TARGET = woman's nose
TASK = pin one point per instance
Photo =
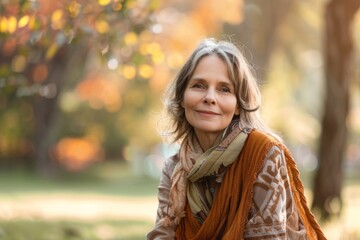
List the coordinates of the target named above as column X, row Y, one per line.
column 210, row 97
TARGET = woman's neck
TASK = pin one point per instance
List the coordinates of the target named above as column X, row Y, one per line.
column 207, row 140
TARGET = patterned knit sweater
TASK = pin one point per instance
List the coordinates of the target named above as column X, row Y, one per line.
column 260, row 196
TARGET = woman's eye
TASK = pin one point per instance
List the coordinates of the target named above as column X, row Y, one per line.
column 198, row 85
column 225, row 89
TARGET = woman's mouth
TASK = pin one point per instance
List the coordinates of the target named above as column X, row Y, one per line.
column 204, row 112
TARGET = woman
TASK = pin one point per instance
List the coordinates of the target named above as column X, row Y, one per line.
column 232, row 178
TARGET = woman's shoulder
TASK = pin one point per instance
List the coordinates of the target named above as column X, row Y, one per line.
column 173, row 159
column 265, row 138
column 170, row 163
column 259, row 143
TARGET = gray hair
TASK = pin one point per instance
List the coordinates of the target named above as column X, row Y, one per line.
column 246, row 88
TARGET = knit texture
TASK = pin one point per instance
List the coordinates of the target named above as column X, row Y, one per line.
column 230, row 208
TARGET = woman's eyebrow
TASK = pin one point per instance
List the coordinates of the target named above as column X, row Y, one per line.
column 197, row 79
column 227, row 84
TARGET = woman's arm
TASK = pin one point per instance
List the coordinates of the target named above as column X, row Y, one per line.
column 273, row 214
column 159, row 231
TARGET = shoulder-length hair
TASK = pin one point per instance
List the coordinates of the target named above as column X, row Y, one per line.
column 246, row 87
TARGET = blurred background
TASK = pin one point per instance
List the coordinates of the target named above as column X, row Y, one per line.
column 81, row 86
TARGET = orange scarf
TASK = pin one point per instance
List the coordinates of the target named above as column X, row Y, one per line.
column 229, row 212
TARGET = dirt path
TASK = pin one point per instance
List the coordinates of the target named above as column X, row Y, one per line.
column 84, row 207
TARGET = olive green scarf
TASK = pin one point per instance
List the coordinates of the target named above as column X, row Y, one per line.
column 195, row 164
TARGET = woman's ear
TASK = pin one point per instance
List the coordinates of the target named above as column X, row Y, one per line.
column 237, row 111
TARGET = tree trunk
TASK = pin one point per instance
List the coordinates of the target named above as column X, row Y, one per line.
column 46, row 110
column 259, row 31
column 338, row 52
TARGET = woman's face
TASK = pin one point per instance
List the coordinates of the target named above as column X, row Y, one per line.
column 209, row 98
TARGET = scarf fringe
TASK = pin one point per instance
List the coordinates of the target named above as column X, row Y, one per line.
column 168, row 221
column 179, row 216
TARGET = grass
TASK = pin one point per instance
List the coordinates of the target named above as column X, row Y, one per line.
column 73, row 230
column 100, row 183
column 130, row 202
column 107, row 178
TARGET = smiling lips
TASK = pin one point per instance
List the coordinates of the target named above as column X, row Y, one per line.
column 207, row 112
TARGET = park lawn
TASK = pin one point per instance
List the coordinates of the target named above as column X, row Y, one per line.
column 109, row 183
